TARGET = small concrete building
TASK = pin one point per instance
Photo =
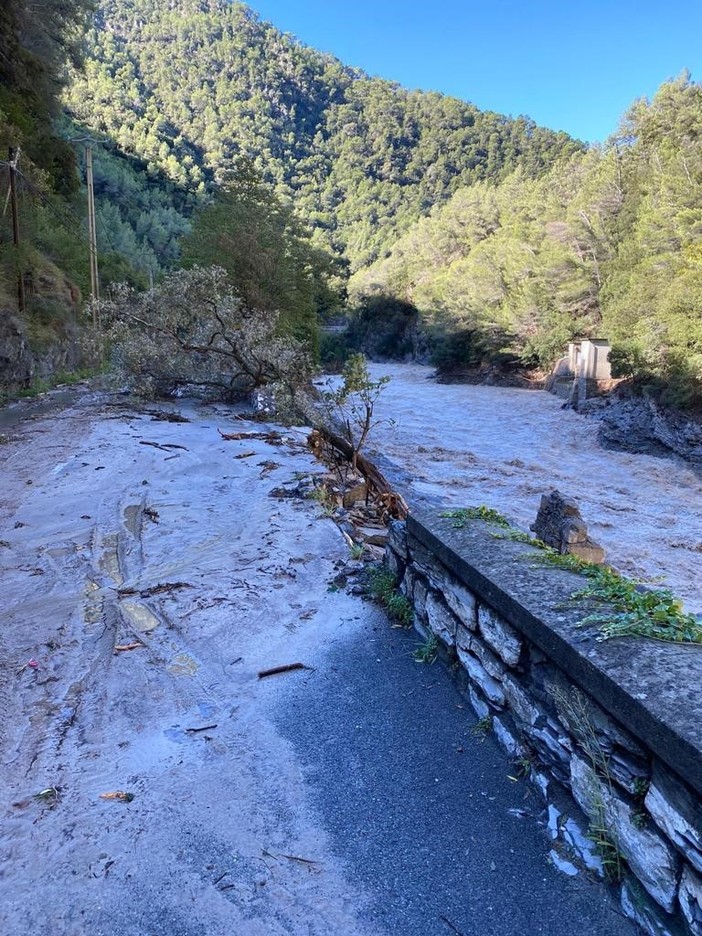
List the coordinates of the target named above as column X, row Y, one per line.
column 589, row 359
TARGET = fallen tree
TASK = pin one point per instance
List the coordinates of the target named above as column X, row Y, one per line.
column 193, row 332
column 324, row 438
column 342, row 417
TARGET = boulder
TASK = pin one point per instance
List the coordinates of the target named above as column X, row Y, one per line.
column 560, row 525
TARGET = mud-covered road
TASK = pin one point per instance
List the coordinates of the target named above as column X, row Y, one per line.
column 469, row 445
column 147, row 576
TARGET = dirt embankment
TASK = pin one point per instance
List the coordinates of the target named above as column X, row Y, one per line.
column 494, row 376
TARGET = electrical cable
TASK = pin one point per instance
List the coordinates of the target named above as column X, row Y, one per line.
column 106, row 232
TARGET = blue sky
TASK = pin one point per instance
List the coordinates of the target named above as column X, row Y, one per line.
column 570, row 66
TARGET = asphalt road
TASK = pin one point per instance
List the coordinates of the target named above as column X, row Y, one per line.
column 422, row 808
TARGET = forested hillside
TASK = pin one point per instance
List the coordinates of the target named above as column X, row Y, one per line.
column 607, row 243
column 215, row 137
column 189, row 86
column 50, row 262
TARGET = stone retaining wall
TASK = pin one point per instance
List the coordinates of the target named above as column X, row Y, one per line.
column 609, row 732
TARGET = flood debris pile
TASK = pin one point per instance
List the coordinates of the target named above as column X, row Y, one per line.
column 359, row 499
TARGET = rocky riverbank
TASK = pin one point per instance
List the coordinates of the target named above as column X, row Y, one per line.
column 643, row 426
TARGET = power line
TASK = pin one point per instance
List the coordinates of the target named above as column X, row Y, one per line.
column 106, row 232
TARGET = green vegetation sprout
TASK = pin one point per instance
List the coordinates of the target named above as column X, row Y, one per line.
column 462, row 515
column 383, row 586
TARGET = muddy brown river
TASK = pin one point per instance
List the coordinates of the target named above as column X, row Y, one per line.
column 469, row 445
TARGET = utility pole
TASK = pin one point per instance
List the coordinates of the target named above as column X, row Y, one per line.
column 13, row 157
column 92, row 226
column 92, row 231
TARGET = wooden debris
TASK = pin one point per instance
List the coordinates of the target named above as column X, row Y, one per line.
column 197, row 730
column 287, row 668
column 166, row 446
column 122, row 648
column 307, row 861
column 153, row 590
column 272, row 436
column 298, row 858
column 118, row 795
column 393, row 504
column 157, row 415
column 153, row 444
column 452, row 925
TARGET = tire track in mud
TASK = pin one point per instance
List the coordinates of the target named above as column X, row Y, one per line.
column 93, row 720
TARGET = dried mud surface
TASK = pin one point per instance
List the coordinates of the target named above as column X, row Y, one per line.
column 109, row 542
column 352, row 798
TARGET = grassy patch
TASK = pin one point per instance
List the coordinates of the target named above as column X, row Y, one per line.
column 462, row 515
column 482, row 728
column 574, row 710
column 427, row 650
column 383, row 586
column 325, row 499
column 357, row 550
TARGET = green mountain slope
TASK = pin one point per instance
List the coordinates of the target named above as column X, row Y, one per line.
column 607, row 243
column 41, row 276
column 190, row 85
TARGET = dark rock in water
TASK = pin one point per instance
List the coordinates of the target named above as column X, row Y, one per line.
column 560, row 525
column 643, row 426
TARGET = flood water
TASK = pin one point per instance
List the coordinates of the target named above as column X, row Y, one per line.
column 468, row 445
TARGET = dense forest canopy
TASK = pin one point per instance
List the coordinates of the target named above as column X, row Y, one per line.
column 469, row 235
column 191, row 86
column 606, row 243
column 37, row 41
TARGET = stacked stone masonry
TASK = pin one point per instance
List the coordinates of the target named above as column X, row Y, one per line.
column 593, row 724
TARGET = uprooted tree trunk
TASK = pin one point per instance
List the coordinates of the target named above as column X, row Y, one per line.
column 329, row 433
column 393, row 503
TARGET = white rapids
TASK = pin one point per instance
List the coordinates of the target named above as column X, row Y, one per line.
column 469, row 445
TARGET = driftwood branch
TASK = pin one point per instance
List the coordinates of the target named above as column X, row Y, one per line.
column 286, row 668
column 393, row 502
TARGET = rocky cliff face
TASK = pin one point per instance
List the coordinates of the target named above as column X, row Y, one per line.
column 46, row 339
column 642, row 425
column 24, row 359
